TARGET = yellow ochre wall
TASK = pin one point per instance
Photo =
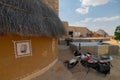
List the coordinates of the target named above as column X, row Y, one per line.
column 12, row 68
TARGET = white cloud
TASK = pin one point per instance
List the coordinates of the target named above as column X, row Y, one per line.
column 100, row 19
column 86, row 4
column 78, row 24
column 91, row 24
column 93, row 2
column 83, row 10
column 86, row 20
column 104, row 19
column 91, row 21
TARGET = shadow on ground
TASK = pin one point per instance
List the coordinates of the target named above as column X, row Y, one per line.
column 60, row 72
column 79, row 72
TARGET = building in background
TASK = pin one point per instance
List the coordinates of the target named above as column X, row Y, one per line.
column 102, row 33
column 77, row 31
column 80, row 31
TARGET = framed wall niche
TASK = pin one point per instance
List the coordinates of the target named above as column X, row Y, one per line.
column 22, row 48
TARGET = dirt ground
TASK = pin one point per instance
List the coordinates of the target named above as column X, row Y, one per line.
column 57, row 72
column 79, row 72
column 60, row 72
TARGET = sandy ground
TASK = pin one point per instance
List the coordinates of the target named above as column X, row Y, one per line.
column 114, row 42
column 79, row 72
column 57, row 72
column 60, row 72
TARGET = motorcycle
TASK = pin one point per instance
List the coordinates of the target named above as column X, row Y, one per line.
column 101, row 64
column 74, row 61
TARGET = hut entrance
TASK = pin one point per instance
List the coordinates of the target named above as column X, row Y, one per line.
column 71, row 33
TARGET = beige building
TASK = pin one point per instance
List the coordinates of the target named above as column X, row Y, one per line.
column 77, row 31
column 80, row 31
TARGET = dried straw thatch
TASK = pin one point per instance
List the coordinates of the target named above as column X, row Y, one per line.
column 29, row 18
column 102, row 32
column 82, row 30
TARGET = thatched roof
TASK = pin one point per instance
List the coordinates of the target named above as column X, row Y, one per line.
column 101, row 32
column 82, row 30
column 29, row 18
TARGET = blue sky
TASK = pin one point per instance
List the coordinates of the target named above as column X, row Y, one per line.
column 93, row 14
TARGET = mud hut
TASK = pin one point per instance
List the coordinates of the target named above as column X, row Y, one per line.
column 81, row 31
column 29, row 32
column 102, row 33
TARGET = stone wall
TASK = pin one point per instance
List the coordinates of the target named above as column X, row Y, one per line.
column 114, row 49
column 98, row 50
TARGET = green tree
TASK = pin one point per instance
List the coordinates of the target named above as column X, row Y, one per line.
column 117, row 33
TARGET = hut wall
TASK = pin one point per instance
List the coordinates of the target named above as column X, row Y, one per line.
column 12, row 68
